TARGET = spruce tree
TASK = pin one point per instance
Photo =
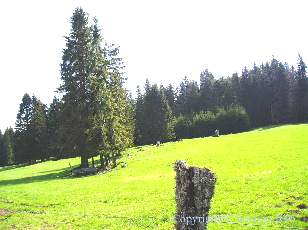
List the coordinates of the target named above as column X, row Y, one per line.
column 206, row 90
column 157, row 117
column 170, row 96
column 299, row 92
column 95, row 101
column 38, row 130
column 8, row 146
column 2, row 156
column 279, row 105
column 188, row 99
column 55, row 145
column 139, row 126
column 23, row 136
column 76, row 69
column 235, row 86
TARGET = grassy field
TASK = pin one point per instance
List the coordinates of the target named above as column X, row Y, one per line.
column 262, row 183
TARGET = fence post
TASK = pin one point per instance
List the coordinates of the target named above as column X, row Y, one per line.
column 194, row 190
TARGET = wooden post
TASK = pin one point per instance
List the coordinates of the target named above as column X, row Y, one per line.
column 194, row 190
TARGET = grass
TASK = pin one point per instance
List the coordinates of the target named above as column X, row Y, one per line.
column 262, row 175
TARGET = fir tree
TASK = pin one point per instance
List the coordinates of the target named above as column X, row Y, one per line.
column 157, row 117
column 2, row 156
column 279, row 107
column 22, row 138
column 170, row 96
column 206, row 90
column 38, row 130
column 139, row 126
column 8, row 146
column 77, row 67
column 299, row 92
column 100, row 117
column 56, row 137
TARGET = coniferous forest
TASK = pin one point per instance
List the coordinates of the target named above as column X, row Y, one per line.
column 92, row 113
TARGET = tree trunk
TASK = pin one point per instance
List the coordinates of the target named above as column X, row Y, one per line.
column 194, row 190
column 84, row 161
column 93, row 162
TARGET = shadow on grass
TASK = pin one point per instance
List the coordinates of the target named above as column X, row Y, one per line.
column 60, row 169
column 275, row 126
column 64, row 174
column 5, row 168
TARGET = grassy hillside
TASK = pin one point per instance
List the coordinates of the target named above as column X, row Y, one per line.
column 261, row 174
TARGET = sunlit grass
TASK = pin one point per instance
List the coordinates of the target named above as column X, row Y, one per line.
column 261, row 174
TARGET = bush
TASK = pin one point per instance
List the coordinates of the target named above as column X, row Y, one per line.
column 203, row 124
column 182, row 127
column 234, row 120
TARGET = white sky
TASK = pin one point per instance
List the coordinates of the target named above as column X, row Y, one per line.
column 160, row 40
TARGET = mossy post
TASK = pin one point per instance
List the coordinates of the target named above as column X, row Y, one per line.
column 194, row 191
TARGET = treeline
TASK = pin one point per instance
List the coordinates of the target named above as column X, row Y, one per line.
column 269, row 94
column 93, row 115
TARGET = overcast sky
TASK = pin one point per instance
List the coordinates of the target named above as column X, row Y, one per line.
column 160, row 40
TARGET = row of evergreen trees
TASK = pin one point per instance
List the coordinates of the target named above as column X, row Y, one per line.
column 269, row 94
column 7, row 153
column 94, row 115
column 272, row 93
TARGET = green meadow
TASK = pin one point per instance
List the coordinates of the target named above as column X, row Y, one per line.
column 262, row 184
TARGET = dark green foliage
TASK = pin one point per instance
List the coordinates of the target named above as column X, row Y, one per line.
column 7, row 147
column 188, row 98
column 94, row 115
column 2, row 156
column 222, row 97
column 206, row 90
column 38, row 130
column 31, row 131
column 170, row 96
column 153, row 116
column 23, row 137
column 139, row 127
column 57, row 146
column 203, row 124
column 271, row 93
column 280, row 104
column 299, row 93
column 76, row 69
column 157, row 116
column 233, row 120
column 183, row 127
column 97, row 117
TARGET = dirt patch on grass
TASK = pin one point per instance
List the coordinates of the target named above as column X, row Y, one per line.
column 4, row 212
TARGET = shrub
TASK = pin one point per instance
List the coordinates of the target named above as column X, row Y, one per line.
column 203, row 124
column 234, row 120
column 182, row 127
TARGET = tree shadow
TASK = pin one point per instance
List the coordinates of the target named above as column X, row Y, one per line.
column 5, row 168
column 275, row 126
column 269, row 127
column 60, row 169
column 65, row 173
